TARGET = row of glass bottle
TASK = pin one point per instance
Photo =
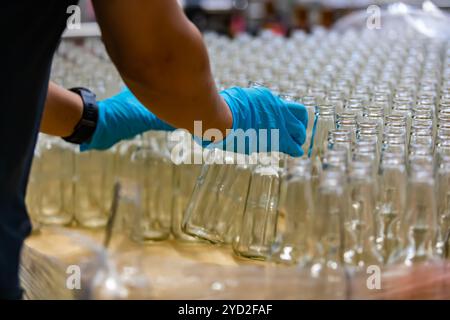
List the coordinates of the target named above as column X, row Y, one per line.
column 332, row 65
column 322, row 61
column 341, row 213
column 68, row 187
column 286, row 213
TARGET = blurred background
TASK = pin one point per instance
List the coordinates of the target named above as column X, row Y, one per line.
column 281, row 16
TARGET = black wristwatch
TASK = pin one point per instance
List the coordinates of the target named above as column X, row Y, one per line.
column 85, row 129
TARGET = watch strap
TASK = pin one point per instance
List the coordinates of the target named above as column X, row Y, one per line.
column 85, row 128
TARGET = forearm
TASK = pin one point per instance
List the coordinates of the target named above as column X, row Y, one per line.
column 163, row 60
column 63, row 110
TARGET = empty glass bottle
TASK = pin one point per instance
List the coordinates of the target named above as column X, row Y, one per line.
column 258, row 229
column 95, row 174
column 334, row 97
column 218, row 200
column 341, row 139
column 152, row 176
column 443, row 204
column 360, row 221
column 325, row 121
column 329, row 234
column 391, row 204
column 419, row 223
column 295, row 215
column 366, row 151
column 347, row 121
column 369, row 131
column 185, row 177
column 310, row 104
column 55, row 179
column 375, row 114
column 355, row 106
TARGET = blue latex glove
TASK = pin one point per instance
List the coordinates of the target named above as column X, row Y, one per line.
column 122, row 117
column 259, row 108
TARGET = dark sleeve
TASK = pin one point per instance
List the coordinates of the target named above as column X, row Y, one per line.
column 29, row 31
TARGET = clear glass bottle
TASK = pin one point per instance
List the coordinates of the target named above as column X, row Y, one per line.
column 361, row 93
column 419, row 224
column 360, row 222
column 55, row 179
column 336, row 159
column 185, row 176
column 310, row 104
column 396, row 126
column 391, row 204
column 382, row 102
column 394, row 141
column 152, row 176
column 369, row 131
column 258, row 229
column 217, row 203
column 325, row 121
column 443, row 205
column 341, row 139
column 348, row 121
column 130, row 197
column 95, row 175
column 355, row 106
column 376, row 114
column 295, row 215
column 366, row 151
column 329, row 232
column 233, row 201
column 334, row 97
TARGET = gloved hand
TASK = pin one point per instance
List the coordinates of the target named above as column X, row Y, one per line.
column 122, row 117
column 259, row 108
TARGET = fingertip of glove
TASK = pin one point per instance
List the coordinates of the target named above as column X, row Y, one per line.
column 297, row 131
column 296, row 152
column 299, row 111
